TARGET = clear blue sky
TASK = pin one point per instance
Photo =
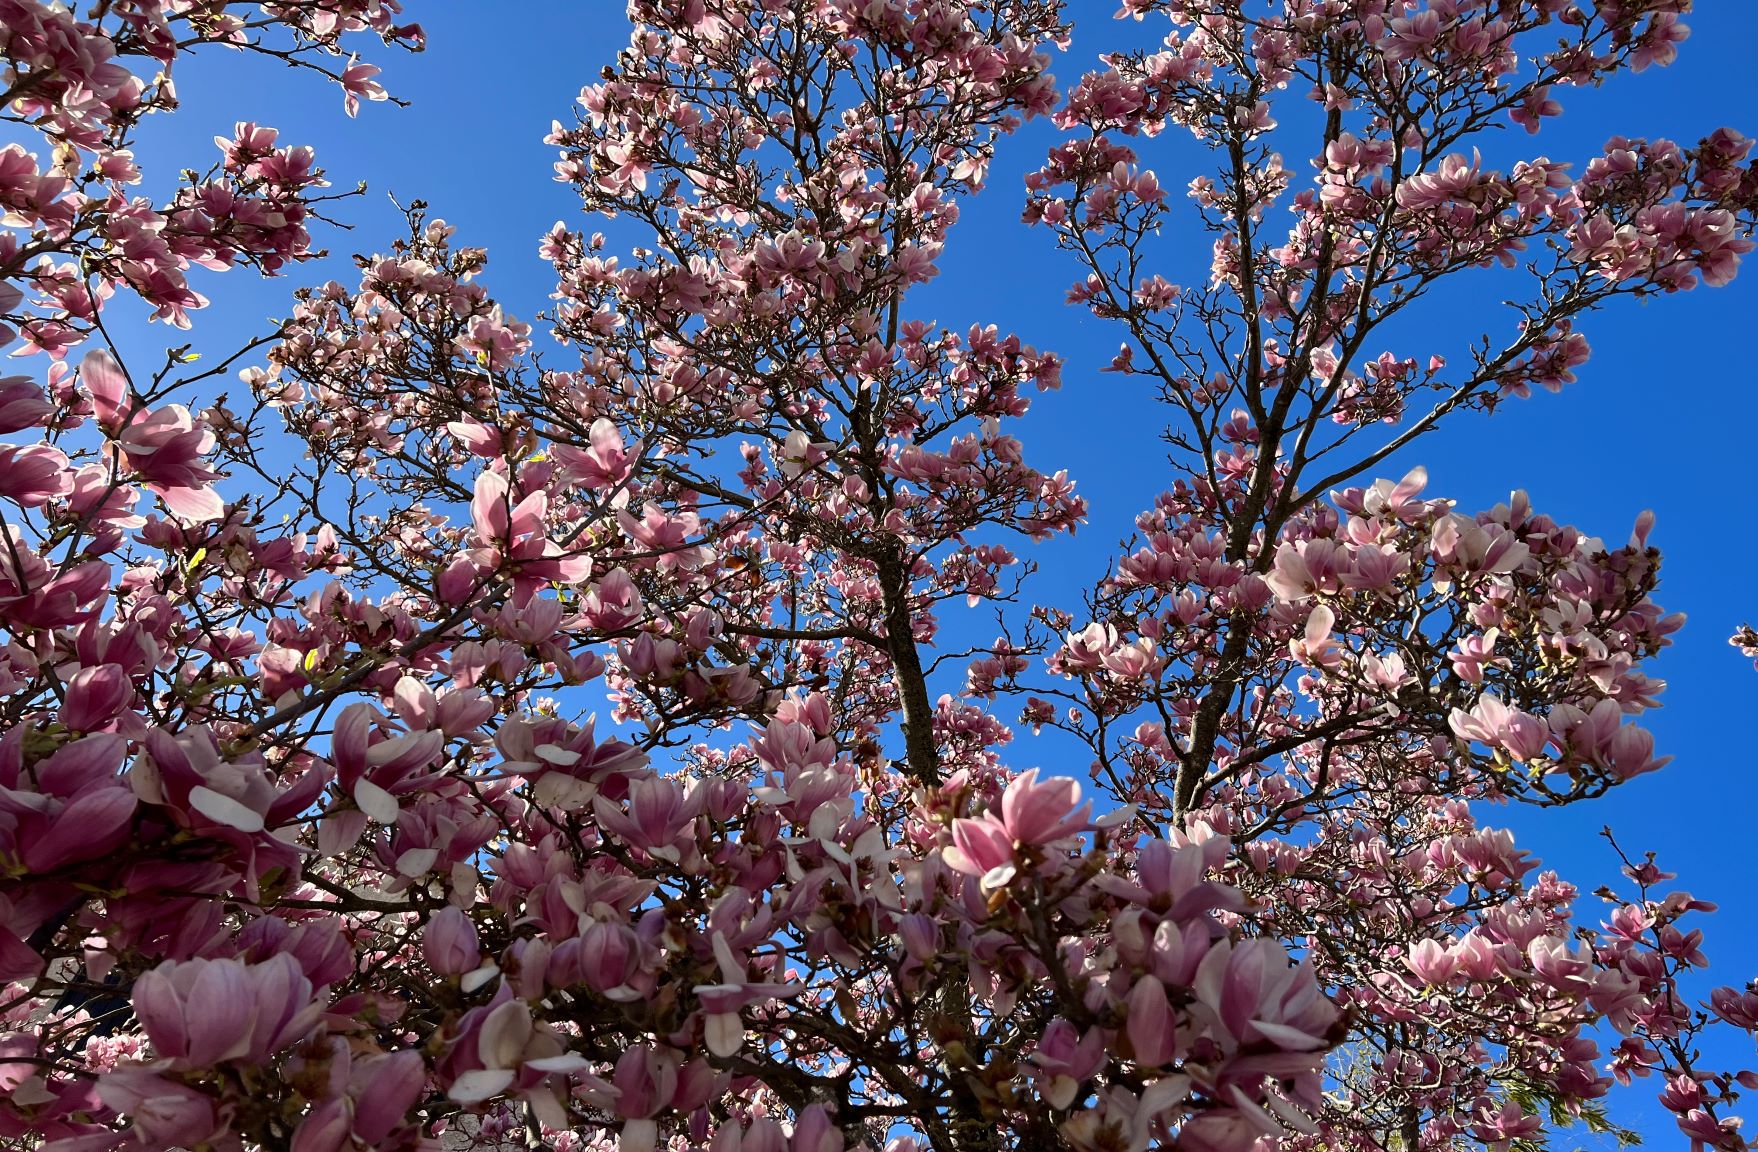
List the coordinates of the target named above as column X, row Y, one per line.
column 1663, row 417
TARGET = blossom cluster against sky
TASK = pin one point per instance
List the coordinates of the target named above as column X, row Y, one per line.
column 1662, row 418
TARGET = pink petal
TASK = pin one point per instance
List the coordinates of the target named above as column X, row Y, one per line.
column 197, row 505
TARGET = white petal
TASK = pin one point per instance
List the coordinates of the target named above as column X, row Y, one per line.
column 417, row 861
column 464, row 880
column 999, row 876
column 638, row 1136
column 32, row 1091
column 547, row 1109
column 1116, row 817
column 375, row 801
column 824, row 822
column 1292, row 1039
column 725, row 1033
column 1162, row 1094
column 475, row 1087
column 474, row 980
column 1290, row 1115
column 223, row 809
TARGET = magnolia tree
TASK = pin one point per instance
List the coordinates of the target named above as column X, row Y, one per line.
column 309, row 838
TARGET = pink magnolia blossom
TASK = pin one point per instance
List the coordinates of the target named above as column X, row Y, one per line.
column 1032, row 815
column 199, row 1013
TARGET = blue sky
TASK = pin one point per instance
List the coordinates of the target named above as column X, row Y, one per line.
column 1663, row 417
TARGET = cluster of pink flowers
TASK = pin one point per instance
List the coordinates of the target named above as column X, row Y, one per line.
column 1332, row 684
column 359, row 873
column 80, row 234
